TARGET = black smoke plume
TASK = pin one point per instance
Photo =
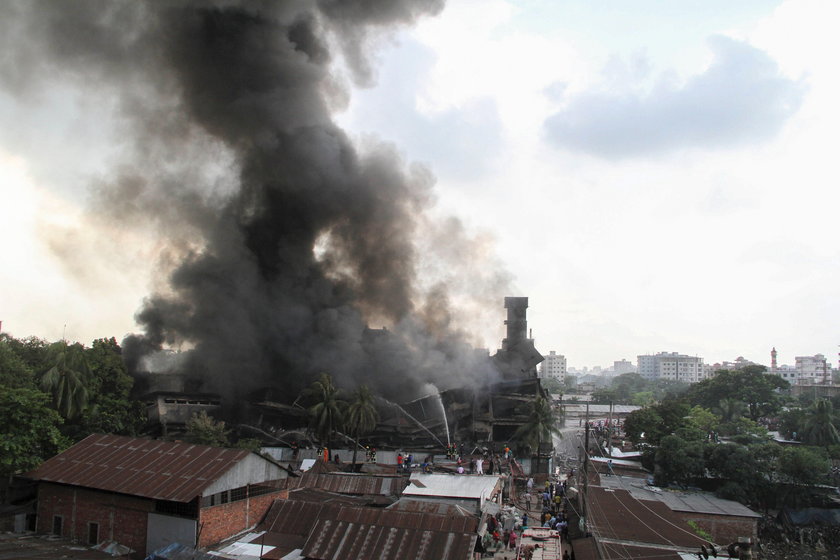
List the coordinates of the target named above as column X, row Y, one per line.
column 283, row 240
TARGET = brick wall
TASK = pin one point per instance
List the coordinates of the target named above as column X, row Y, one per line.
column 217, row 523
column 121, row 518
column 724, row 529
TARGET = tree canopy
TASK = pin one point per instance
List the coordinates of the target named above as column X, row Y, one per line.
column 29, row 430
column 327, row 413
column 751, row 386
column 541, row 424
column 361, row 415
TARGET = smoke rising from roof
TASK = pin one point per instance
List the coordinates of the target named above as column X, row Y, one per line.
column 283, row 241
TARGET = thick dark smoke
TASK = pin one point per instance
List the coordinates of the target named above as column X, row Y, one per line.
column 283, row 241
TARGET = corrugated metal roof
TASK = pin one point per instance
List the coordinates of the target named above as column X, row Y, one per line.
column 346, row 483
column 367, row 533
column 336, row 531
column 296, row 517
column 615, row 514
column 452, row 485
column 697, row 502
column 160, row 470
column 317, row 495
column 424, row 506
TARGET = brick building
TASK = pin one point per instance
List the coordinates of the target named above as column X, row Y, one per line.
column 146, row 494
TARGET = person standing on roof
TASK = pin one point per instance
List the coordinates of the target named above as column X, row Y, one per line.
column 399, row 462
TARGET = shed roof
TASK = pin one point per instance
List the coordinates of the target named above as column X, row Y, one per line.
column 695, row 502
column 474, row 487
column 349, row 483
column 425, row 506
column 375, row 534
column 334, row 531
column 615, row 514
column 160, row 470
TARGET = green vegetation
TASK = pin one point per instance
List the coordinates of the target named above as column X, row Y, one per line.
column 327, row 411
column 751, row 386
column 632, row 388
column 699, row 532
column 29, row 430
column 54, row 394
column 542, row 423
column 684, row 432
column 361, row 416
column 202, row 429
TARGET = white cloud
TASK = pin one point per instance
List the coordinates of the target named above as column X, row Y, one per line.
column 740, row 98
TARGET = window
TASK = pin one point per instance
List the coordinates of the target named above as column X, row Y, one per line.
column 58, row 521
column 93, row 534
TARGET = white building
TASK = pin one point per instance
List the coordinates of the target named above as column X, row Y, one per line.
column 623, row 366
column 672, row 365
column 554, row 366
column 812, row 369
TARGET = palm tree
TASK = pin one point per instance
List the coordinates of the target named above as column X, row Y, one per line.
column 66, row 380
column 361, row 416
column 326, row 414
column 819, row 425
column 541, row 424
column 730, row 409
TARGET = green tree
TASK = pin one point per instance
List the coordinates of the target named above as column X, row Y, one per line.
column 202, row 429
column 552, row 385
column 603, row 396
column 541, row 424
column 664, row 389
column 678, row 461
column 819, row 425
column 14, row 371
column 643, row 424
column 801, row 465
column 67, row 378
column 656, row 421
column 730, row 409
column 732, row 462
column 326, row 414
column 361, row 416
column 643, row 398
column 792, row 423
column 32, row 350
column 110, row 409
column 704, row 419
column 29, row 430
column 751, row 385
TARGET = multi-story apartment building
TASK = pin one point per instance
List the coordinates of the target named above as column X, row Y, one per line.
column 554, row 366
column 672, row 365
column 812, row 369
column 623, row 366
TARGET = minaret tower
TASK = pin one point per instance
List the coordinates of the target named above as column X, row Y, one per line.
column 773, row 360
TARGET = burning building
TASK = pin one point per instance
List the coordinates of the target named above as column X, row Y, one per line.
column 278, row 238
column 483, row 414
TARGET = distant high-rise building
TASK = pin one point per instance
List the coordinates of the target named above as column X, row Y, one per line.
column 672, row 365
column 812, row 369
column 623, row 366
column 554, row 366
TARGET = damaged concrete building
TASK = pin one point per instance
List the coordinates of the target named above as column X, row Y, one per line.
column 482, row 416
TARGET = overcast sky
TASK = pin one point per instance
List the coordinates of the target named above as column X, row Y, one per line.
column 655, row 175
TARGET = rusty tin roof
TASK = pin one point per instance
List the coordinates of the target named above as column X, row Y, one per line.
column 375, row 534
column 160, row 470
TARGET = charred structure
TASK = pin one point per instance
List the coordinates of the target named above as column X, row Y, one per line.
column 485, row 414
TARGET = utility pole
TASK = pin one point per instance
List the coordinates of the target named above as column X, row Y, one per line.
column 584, row 503
column 609, row 432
